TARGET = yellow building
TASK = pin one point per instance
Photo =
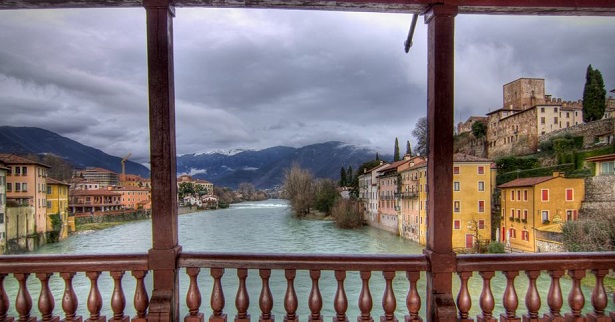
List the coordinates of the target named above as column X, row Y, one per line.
column 472, row 191
column 537, row 204
column 57, row 203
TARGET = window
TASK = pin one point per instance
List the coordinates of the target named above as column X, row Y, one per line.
column 455, row 170
column 17, row 187
column 525, row 235
column 481, row 170
column 9, row 187
column 519, row 214
column 545, row 216
column 48, row 204
column 512, row 214
column 607, row 168
column 17, row 171
column 513, row 233
column 555, row 110
column 543, row 120
column 569, row 194
column 456, row 206
column 456, row 186
column 542, row 110
column 481, row 186
column 525, row 214
column 512, row 195
column 525, row 195
column 24, row 171
column 481, row 224
column 571, row 214
column 24, row 187
column 2, row 199
column 481, row 206
column 2, row 220
column 519, row 195
column 555, row 121
column 544, row 194
column 48, row 190
column 457, row 224
column 2, row 180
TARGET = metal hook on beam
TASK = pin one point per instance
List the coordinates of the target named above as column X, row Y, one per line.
column 408, row 42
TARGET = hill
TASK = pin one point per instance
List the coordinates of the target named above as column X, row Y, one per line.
column 24, row 140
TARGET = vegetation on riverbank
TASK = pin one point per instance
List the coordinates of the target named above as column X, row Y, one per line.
column 98, row 225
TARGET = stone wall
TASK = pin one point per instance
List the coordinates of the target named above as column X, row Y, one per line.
column 21, row 232
column 125, row 216
column 589, row 131
column 599, row 200
column 549, row 246
column 475, row 147
column 514, row 134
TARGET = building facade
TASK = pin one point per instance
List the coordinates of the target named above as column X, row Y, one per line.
column 537, row 204
column 101, row 176
column 57, row 204
column 3, row 172
column 409, row 201
column 368, row 191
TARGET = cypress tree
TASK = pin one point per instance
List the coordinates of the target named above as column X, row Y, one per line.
column 594, row 95
column 396, row 153
column 349, row 176
column 343, row 178
column 377, row 157
column 408, row 148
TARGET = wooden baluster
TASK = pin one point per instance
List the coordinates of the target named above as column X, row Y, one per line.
column 389, row 303
column 315, row 299
column 510, row 300
column 46, row 303
column 265, row 300
column 613, row 313
column 4, row 301
column 413, row 300
column 141, row 299
column 193, row 297
column 532, row 298
column 118, row 299
column 94, row 298
column 217, row 296
column 290, row 297
column 464, row 300
column 242, row 300
column 70, row 302
column 599, row 298
column 23, row 302
column 365, row 299
column 487, row 302
column 555, row 298
column 576, row 300
column 341, row 301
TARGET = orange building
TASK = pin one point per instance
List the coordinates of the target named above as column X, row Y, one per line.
column 132, row 196
column 535, row 204
column 26, row 184
column 91, row 201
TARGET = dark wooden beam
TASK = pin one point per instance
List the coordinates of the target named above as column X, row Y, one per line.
column 440, row 21
column 505, row 7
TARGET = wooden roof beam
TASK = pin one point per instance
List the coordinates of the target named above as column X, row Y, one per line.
column 504, row 7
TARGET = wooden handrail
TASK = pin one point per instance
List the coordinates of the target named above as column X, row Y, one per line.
column 533, row 262
column 73, row 263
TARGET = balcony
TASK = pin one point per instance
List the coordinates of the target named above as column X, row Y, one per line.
column 165, row 261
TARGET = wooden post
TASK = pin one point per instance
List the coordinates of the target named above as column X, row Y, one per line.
column 440, row 97
column 164, row 305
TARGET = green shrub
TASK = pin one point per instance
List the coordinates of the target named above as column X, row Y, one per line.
column 496, row 248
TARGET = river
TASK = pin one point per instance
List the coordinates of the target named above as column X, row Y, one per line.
column 262, row 227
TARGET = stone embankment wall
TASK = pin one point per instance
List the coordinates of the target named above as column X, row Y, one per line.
column 589, row 131
column 475, row 147
column 112, row 217
column 599, row 197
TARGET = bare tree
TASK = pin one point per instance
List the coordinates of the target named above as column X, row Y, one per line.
column 420, row 133
column 299, row 189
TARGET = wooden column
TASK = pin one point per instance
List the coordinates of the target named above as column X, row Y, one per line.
column 440, row 96
column 164, row 304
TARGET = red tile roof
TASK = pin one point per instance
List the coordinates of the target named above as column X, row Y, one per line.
column 15, row 159
column 54, row 181
column 525, row 182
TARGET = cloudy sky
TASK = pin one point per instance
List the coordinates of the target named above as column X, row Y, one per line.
column 252, row 79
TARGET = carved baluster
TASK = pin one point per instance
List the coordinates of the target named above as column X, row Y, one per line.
column 118, row 299
column 413, row 300
column 464, row 301
column 265, row 300
column 315, row 299
column 555, row 298
column 217, row 296
column 46, row 303
column 389, row 303
column 576, row 300
column 290, row 298
column 141, row 299
column 487, row 302
column 242, row 300
column 69, row 299
column 23, row 302
column 341, row 301
column 599, row 298
column 94, row 298
column 532, row 298
column 365, row 299
column 613, row 313
column 510, row 300
column 193, row 297
column 4, row 301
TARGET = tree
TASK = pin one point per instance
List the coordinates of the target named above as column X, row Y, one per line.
column 396, row 151
column 326, row 194
column 420, row 133
column 408, row 148
column 594, row 95
column 299, row 189
column 479, row 129
column 185, row 189
column 343, row 178
column 377, row 156
column 247, row 190
column 349, row 176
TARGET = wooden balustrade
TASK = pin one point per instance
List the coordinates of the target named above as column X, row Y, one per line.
column 555, row 265
column 68, row 266
column 316, row 269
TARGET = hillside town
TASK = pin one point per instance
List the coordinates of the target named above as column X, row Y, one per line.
column 36, row 209
column 523, row 213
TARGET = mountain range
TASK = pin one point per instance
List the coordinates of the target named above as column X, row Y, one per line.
column 263, row 168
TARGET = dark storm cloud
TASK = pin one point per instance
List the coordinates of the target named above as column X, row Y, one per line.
column 257, row 78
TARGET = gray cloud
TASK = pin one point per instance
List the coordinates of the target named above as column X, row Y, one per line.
column 259, row 78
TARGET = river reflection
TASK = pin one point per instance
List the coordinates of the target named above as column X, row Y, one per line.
column 263, row 227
